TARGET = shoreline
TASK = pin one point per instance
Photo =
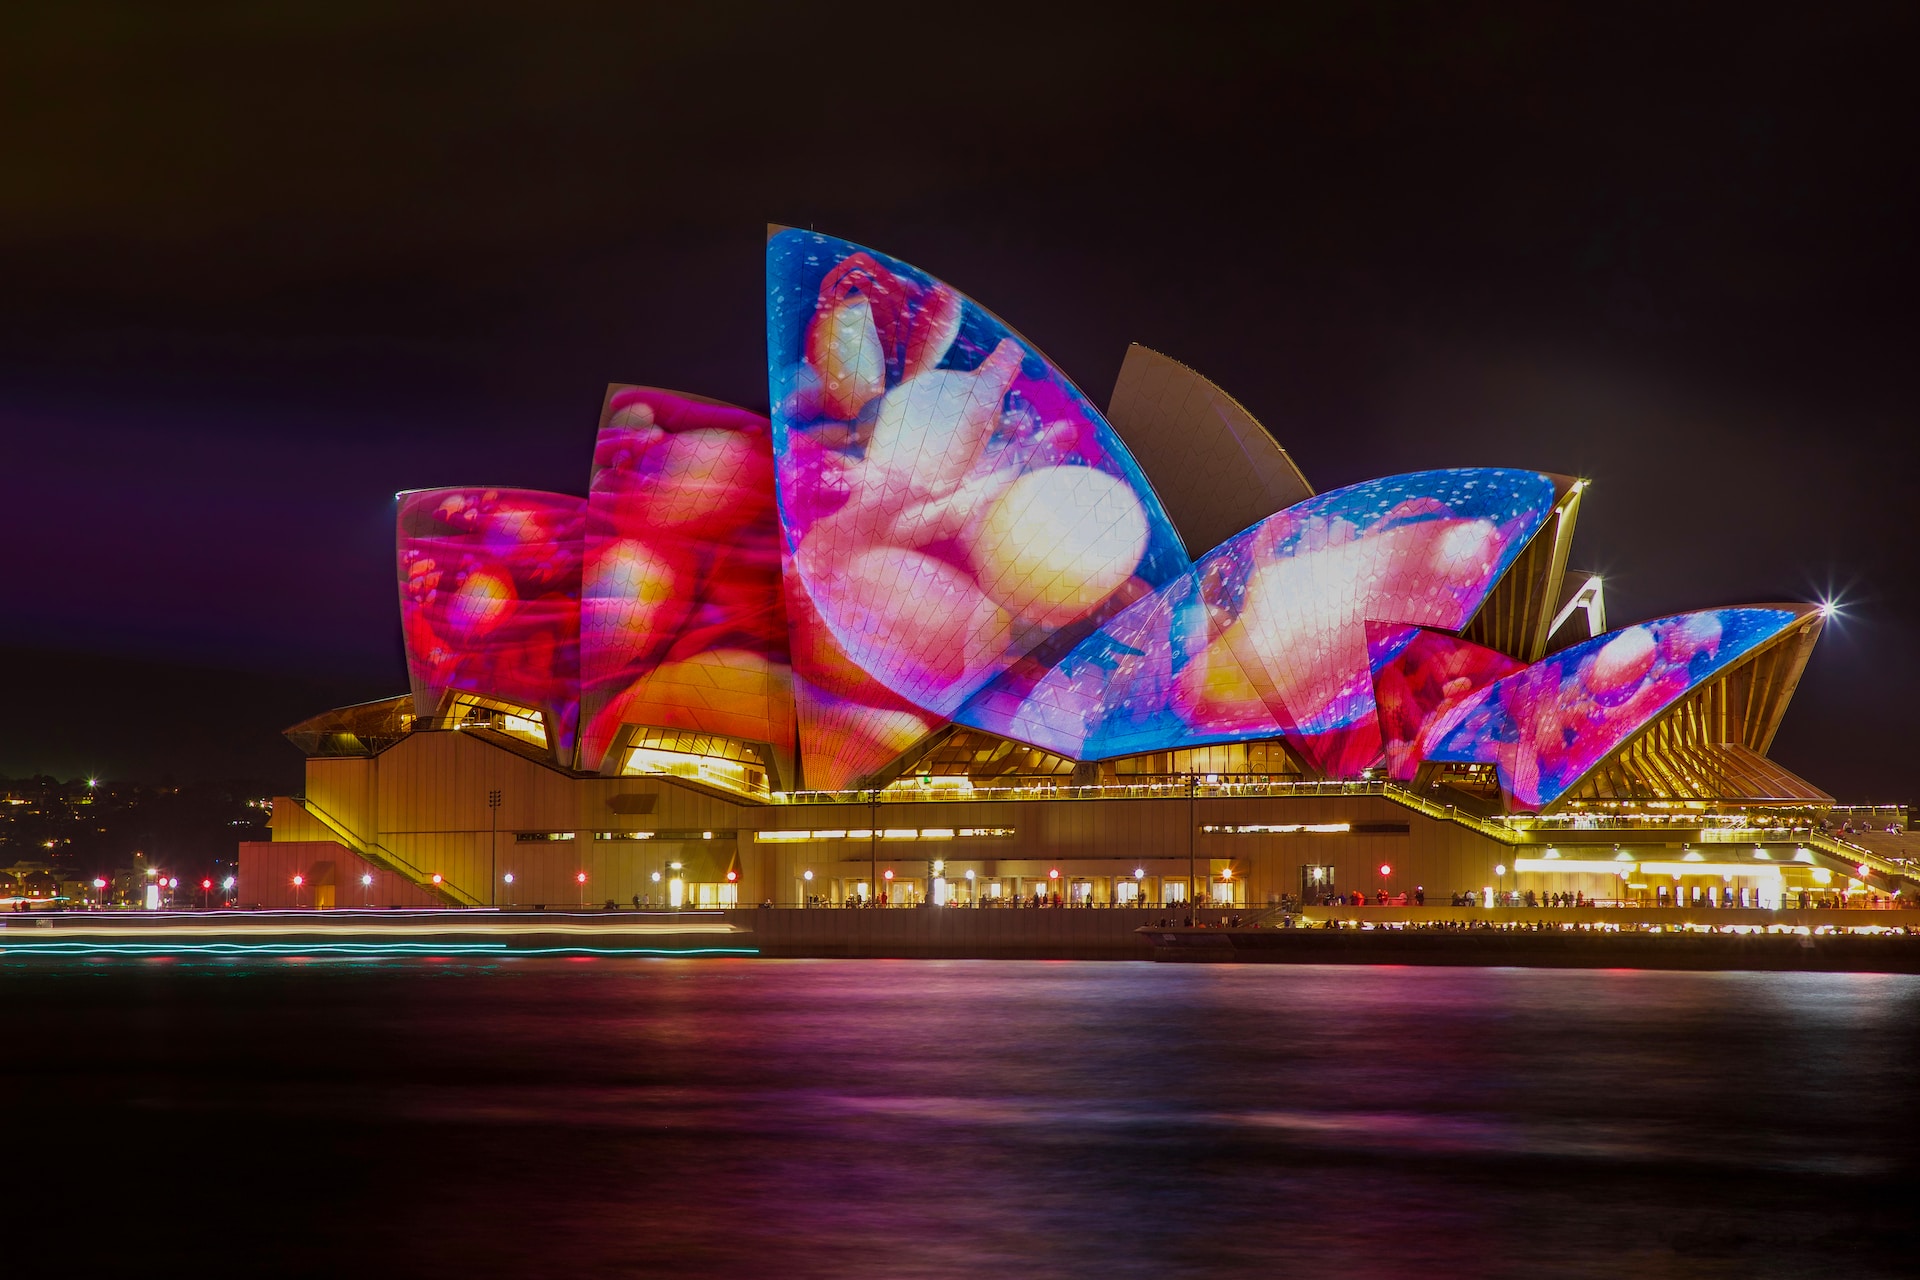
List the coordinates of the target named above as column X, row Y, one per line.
column 1865, row 941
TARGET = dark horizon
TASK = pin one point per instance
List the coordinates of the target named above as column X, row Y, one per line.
column 264, row 272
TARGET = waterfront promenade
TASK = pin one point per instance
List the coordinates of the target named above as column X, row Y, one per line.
column 1599, row 937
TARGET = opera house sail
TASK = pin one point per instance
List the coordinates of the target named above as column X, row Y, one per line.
column 935, row 557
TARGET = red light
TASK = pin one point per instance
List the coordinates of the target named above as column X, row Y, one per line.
column 1385, row 869
column 582, row 877
column 733, row 875
column 206, row 884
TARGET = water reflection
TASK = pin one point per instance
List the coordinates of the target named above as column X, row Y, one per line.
column 839, row 1118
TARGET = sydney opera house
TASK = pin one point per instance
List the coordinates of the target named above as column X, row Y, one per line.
column 939, row 630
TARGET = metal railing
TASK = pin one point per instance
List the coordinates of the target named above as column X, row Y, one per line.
column 1450, row 813
column 1164, row 788
column 1158, row 788
column 387, row 859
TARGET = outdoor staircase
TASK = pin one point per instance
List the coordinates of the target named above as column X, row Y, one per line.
column 386, row 859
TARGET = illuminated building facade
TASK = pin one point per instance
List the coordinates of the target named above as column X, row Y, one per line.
column 939, row 618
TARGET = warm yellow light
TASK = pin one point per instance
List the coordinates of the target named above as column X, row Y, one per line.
column 1705, row 868
column 1590, row 866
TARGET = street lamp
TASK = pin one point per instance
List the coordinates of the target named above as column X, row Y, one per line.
column 507, row 880
column 581, row 880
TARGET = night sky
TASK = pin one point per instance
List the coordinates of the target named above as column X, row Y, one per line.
column 263, row 267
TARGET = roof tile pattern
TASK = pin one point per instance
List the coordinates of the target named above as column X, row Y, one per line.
column 682, row 624
column 490, row 600
column 1213, row 464
column 1267, row 634
column 1544, row 727
column 950, row 501
column 934, row 526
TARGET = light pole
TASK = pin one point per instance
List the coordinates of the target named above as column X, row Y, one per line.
column 1193, row 795
column 873, row 839
column 493, row 847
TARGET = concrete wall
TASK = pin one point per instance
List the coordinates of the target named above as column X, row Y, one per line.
column 331, row 873
column 425, row 801
column 1112, row 837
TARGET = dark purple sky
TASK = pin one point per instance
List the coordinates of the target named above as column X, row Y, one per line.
column 262, row 270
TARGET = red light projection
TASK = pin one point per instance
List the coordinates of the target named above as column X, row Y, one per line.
column 682, row 625
column 490, row 600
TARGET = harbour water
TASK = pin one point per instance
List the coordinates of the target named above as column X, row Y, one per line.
column 574, row 1117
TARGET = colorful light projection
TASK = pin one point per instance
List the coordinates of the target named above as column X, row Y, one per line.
column 681, row 619
column 1266, row 636
column 1418, row 676
column 950, row 501
column 490, row 600
column 1543, row 728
